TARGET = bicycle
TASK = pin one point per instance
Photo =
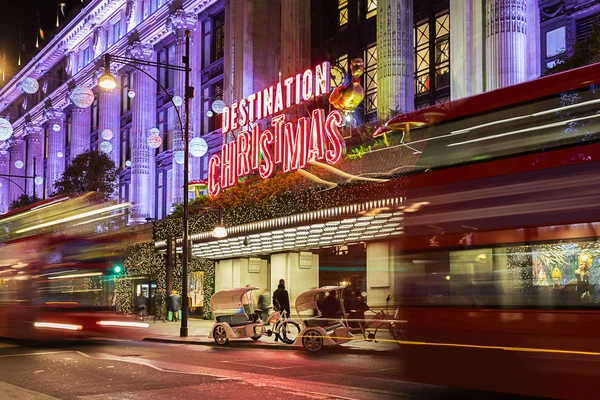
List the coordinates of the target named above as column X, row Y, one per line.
column 383, row 319
column 284, row 328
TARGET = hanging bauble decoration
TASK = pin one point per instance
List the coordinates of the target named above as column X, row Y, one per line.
column 178, row 156
column 218, row 106
column 59, row 154
column 154, row 132
column 30, row 85
column 6, row 129
column 107, row 134
column 131, row 94
column 19, row 164
column 178, row 101
column 154, row 141
column 82, row 96
column 198, row 147
column 56, row 128
column 128, row 163
column 38, row 180
column 106, row 147
column 209, row 113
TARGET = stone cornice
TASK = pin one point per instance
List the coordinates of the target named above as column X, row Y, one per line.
column 151, row 31
column 68, row 38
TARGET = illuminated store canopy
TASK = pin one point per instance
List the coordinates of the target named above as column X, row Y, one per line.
column 336, row 226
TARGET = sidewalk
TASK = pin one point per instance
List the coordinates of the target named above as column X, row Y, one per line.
column 198, row 334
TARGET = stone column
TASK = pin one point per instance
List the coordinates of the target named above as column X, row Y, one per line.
column 110, row 119
column 380, row 272
column 295, row 37
column 466, row 50
column 55, row 161
column 143, row 111
column 178, row 23
column 35, row 141
column 506, row 42
column 17, row 156
column 395, row 57
column 80, row 130
column 299, row 270
column 4, row 183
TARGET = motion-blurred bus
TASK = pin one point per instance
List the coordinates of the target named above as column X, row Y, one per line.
column 58, row 263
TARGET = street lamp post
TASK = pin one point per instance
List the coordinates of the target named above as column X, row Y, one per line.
column 107, row 81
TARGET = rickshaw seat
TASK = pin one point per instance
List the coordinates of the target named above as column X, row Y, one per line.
column 322, row 322
column 234, row 319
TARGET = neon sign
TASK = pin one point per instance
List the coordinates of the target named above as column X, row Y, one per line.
column 292, row 145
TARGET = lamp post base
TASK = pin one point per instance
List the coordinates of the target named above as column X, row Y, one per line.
column 183, row 331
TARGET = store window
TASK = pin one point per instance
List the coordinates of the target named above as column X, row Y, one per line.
column 342, row 62
column 95, row 114
column 371, row 8
column 125, row 147
column 552, row 275
column 342, row 12
column 166, row 76
column 370, row 101
column 213, row 32
column 555, row 42
column 125, row 100
column 116, row 31
column 432, row 60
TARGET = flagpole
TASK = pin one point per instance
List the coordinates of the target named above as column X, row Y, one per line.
column 20, row 47
column 37, row 34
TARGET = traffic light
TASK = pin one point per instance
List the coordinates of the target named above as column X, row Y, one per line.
column 117, row 269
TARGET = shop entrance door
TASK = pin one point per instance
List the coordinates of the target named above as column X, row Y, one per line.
column 147, row 287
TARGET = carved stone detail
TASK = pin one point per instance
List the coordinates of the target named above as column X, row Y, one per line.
column 506, row 16
column 70, row 62
column 552, row 11
column 129, row 11
column 139, row 51
column 180, row 21
column 52, row 114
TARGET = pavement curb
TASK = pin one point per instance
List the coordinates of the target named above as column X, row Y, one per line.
column 258, row 345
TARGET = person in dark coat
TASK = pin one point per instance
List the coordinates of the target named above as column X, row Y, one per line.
column 174, row 304
column 141, row 305
column 281, row 298
column 331, row 307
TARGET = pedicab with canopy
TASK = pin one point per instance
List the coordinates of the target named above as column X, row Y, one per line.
column 320, row 331
column 241, row 321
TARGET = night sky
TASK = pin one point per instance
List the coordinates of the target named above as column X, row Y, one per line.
column 20, row 15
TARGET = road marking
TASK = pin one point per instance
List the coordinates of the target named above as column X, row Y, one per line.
column 35, row 354
column 256, row 365
column 252, row 378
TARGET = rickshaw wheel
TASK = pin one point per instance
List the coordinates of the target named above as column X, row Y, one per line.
column 312, row 341
column 255, row 337
column 220, row 335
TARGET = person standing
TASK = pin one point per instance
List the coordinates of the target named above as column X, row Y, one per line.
column 281, row 298
column 264, row 304
column 174, row 304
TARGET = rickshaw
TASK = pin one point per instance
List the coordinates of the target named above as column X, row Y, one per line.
column 243, row 322
column 319, row 331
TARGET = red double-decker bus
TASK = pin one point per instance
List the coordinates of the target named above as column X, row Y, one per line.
column 57, row 275
column 500, row 246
